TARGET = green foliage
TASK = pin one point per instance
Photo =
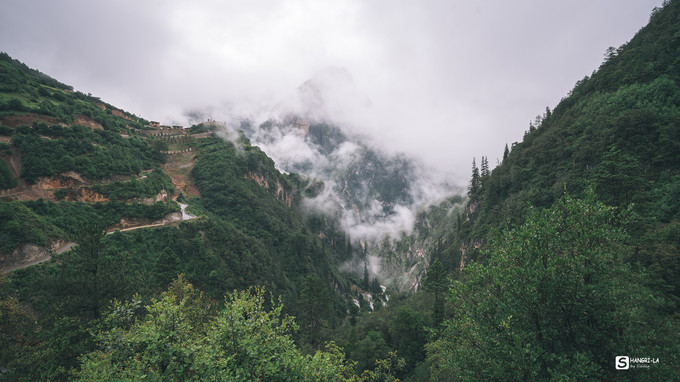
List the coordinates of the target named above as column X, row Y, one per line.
column 24, row 90
column 616, row 130
column 94, row 154
column 7, row 180
column 14, row 73
column 150, row 185
column 89, row 277
column 437, row 283
column 315, row 304
column 241, row 187
column 384, row 369
column 557, row 300
column 16, row 326
column 20, row 225
column 409, row 337
column 40, row 221
column 370, row 349
column 243, row 341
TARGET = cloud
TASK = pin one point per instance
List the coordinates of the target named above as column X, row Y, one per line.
column 446, row 80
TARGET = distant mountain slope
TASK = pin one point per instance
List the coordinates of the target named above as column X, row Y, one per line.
column 617, row 131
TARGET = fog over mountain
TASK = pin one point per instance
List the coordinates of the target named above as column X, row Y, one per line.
column 319, row 131
column 446, row 81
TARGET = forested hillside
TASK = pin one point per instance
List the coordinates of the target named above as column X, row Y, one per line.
column 546, row 267
column 90, row 191
column 617, row 132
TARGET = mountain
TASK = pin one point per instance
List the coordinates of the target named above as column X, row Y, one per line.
column 566, row 255
column 372, row 193
column 616, row 131
column 92, row 193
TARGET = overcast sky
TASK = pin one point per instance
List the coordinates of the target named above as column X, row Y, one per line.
column 446, row 80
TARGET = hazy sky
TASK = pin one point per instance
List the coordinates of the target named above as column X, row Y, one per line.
column 446, row 80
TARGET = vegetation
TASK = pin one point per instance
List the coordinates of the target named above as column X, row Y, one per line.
column 95, row 154
column 181, row 337
column 41, row 221
column 149, row 186
column 557, row 300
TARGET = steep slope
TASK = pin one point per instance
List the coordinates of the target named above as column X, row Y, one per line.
column 74, row 167
column 616, row 131
column 57, row 144
column 350, row 180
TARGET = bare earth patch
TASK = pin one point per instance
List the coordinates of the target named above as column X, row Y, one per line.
column 178, row 168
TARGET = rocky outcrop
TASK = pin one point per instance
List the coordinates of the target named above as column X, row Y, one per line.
column 27, row 119
column 259, row 179
column 162, row 196
column 283, row 195
column 84, row 194
column 120, row 114
column 82, row 120
column 23, row 256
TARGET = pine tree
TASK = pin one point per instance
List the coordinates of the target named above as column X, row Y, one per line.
column 437, row 283
column 365, row 282
column 315, row 304
column 475, row 182
column 506, row 152
column 485, row 167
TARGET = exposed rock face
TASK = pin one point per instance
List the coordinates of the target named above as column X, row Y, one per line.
column 120, row 114
column 25, row 254
column 28, row 119
column 259, row 179
column 299, row 123
column 162, row 196
column 63, row 180
column 282, row 194
column 84, row 194
column 82, row 120
column 73, row 175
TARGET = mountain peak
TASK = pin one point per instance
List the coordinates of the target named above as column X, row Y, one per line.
column 330, row 95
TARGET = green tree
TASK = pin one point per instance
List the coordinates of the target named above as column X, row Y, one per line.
column 179, row 339
column 409, row 336
column 557, row 300
column 89, row 276
column 7, row 180
column 385, row 369
column 485, row 168
column 16, row 332
column 619, row 177
column 365, row 282
column 371, row 348
column 437, row 283
column 475, row 181
column 314, row 306
column 167, row 266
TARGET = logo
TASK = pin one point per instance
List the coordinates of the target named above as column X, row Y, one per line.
column 624, row 362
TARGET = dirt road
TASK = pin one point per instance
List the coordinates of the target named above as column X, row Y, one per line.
column 67, row 246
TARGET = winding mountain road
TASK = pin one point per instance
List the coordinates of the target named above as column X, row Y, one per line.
column 68, row 245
